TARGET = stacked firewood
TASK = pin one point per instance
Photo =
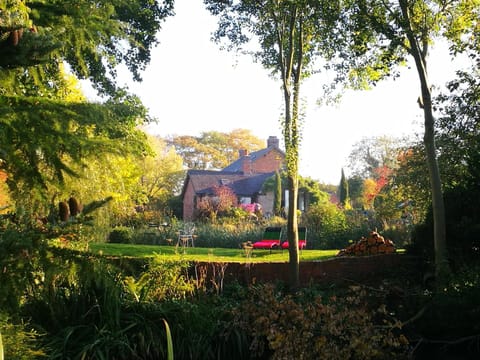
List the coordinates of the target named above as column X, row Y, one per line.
column 372, row 245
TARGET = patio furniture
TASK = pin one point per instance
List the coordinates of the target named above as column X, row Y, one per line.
column 302, row 239
column 186, row 236
column 270, row 240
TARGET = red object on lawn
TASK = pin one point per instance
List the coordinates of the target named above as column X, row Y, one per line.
column 302, row 239
column 270, row 240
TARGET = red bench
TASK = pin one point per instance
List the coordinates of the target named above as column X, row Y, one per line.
column 302, row 239
column 270, row 240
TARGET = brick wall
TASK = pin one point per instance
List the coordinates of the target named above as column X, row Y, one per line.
column 188, row 202
column 336, row 270
column 272, row 161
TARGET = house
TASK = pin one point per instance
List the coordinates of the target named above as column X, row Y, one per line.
column 245, row 176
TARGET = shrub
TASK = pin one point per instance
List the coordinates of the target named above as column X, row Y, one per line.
column 283, row 326
column 121, row 235
column 450, row 323
column 326, row 225
column 462, row 226
column 18, row 341
column 163, row 280
column 227, row 235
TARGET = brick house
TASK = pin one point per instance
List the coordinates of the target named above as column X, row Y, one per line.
column 245, row 176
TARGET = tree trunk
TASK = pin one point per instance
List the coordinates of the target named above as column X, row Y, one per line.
column 292, row 233
column 442, row 268
column 439, row 228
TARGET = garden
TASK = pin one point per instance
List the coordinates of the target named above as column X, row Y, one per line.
column 96, row 261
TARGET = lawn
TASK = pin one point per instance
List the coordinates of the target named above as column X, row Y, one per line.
column 205, row 254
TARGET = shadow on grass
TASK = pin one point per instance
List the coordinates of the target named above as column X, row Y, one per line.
column 205, row 254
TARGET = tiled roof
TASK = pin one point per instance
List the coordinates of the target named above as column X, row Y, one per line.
column 204, row 181
column 236, row 166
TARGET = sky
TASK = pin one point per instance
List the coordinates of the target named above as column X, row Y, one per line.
column 191, row 86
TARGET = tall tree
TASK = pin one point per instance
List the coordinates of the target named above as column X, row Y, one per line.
column 395, row 27
column 277, row 201
column 343, row 190
column 291, row 35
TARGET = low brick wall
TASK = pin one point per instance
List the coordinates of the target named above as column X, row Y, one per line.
column 336, row 270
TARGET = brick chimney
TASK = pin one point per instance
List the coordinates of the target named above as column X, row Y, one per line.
column 247, row 165
column 242, row 153
column 273, row 142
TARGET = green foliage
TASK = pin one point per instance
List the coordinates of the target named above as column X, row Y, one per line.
column 96, row 37
column 19, row 341
column 163, row 280
column 463, row 228
column 121, row 235
column 278, row 194
column 343, row 194
column 214, row 149
column 169, row 340
column 42, row 139
column 449, row 323
column 21, row 252
column 459, row 130
column 326, row 225
column 227, row 235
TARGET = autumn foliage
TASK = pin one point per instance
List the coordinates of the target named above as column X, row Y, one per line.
column 373, row 187
column 304, row 327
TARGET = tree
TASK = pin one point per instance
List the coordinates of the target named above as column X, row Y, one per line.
column 291, row 35
column 162, row 173
column 44, row 128
column 343, row 190
column 96, row 36
column 20, row 42
column 214, row 149
column 392, row 29
column 370, row 153
column 41, row 138
column 277, row 202
column 459, row 130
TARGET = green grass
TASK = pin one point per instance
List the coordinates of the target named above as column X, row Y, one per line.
column 205, row 254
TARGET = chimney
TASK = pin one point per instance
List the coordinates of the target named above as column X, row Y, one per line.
column 242, row 153
column 273, row 142
column 247, row 165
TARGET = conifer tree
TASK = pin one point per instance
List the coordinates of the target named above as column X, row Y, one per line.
column 343, row 190
column 277, row 205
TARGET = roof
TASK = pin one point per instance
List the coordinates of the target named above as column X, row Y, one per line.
column 237, row 165
column 204, row 181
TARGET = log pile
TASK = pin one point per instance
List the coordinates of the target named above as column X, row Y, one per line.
column 372, row 245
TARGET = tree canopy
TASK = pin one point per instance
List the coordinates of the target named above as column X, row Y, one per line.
column 214, row 149
column 47, row 126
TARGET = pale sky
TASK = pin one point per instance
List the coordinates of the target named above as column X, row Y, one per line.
column 191, row 86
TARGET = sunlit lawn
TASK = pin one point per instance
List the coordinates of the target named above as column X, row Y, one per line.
column 205, row 254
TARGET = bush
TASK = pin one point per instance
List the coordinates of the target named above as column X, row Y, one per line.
column 281, row 326
column 18, row 341
column 326, row 225
column 462, row 212
column 227, row 235
column 121, row 235
column 450, row 324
